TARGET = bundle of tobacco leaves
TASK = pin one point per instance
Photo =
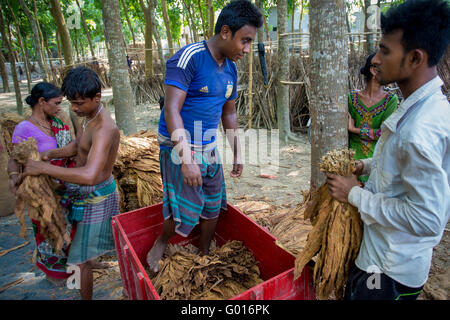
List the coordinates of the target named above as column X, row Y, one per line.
column 336, row 234
column 293, row 229
column 36, row 195
column 224, row 273
column 137, row 172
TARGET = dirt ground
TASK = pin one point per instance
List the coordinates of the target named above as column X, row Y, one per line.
column 280, row 186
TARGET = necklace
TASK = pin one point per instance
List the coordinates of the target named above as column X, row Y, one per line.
column 85, row 123
column 39, row 124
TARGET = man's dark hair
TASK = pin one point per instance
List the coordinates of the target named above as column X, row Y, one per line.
column 237, row 14
column 81, row 82
column 425, row 25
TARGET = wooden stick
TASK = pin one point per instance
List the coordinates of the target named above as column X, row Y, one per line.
column 3, row 252
column 250, row 85
column 291, row 82
column 11, row 284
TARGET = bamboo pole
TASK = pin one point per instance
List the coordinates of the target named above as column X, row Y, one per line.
column 250, row 84
column 292, row 82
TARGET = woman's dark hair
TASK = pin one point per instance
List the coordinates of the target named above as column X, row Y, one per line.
column 81, row 82
column 237, row 14
column 42, row 90
column 425, row 25
column 365, row 71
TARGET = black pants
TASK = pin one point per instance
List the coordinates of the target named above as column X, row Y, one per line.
column 377, row 286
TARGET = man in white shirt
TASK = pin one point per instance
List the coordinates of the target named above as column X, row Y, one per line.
column 405, row 204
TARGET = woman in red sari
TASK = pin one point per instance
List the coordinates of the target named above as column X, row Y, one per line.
column 50, row 133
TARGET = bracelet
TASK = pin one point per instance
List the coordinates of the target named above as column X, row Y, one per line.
column 13, row 173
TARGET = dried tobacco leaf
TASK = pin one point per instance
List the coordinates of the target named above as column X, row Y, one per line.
column 224, row 273
column 36, row 195
column 137, row 171
column 336, row 236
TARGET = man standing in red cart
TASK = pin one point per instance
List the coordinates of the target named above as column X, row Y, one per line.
column 405, row 204
column 201, row 88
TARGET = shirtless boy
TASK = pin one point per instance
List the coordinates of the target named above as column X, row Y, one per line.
column 91, row 192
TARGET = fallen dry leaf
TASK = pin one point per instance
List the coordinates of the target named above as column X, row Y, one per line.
column 293, row 173
column 267, row 176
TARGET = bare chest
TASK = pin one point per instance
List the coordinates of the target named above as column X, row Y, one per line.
column 83, row 147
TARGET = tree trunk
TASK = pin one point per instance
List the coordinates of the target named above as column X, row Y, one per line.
column 27, row 56
column 63, row 32
column 260, row 31
column 38, row 24
column 24, row 53
column 120, row 80
column 59, row 48
column 266, row 27
column 211, row 19
column 4, row 73
column 14, row 51
column 329, row 85
column 86, row 30
column 4, row 31
column 167, row 24
column 127, row 17
column 37, row 43
column 75, row 44
column 49, row 55
column 369, row 45
column 48, row 63
column 148, row 37
column 284, row 126
column 158, row 43
column 293, row 16
column 349, row 30
column 300, row 26
column 200, row 11
column 192, row 24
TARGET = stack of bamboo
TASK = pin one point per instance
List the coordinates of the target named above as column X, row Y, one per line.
column 137, row 171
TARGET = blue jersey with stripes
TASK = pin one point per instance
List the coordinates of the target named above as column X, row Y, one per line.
column 208, row 87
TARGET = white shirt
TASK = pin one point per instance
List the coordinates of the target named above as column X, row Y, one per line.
column 405, row 204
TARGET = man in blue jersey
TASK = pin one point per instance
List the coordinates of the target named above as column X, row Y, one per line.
column 201, row 88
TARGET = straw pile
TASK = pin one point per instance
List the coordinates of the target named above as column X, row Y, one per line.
column 8, row 122
column 36, row 195
column 293, row 229
column 137, row 171
column 224, row 273
column 336, row 234
column 262, row 212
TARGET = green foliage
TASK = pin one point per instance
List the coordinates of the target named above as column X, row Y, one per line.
column 175, row 10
